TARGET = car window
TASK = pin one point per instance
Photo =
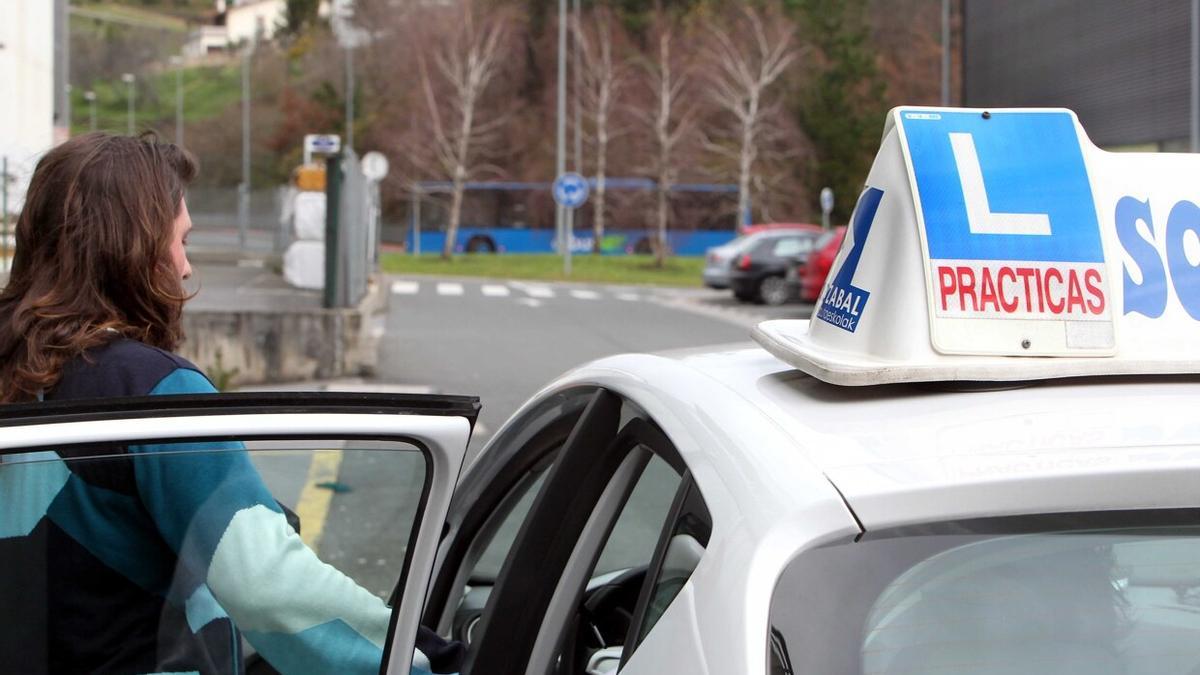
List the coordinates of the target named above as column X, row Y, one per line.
column 678, row 555
column 792, row 246
column 631, row 542
column 1095, row 601
column 487, row 568
column 182, row 547
column 824, row 239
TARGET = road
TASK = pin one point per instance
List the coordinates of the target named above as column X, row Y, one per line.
column 503, row 341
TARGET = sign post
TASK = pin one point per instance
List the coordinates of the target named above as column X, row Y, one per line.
column 570, row 193
column 375, row 169
column 826, row 206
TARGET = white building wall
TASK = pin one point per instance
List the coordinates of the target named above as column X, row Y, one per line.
column 244, row 21
column 26, row 88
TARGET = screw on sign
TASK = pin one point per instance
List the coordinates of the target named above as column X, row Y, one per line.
column 570, row 190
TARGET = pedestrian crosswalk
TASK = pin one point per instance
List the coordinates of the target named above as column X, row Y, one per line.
column 525, row 293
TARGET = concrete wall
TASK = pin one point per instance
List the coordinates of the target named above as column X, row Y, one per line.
column 26, row 88
column 254, row 347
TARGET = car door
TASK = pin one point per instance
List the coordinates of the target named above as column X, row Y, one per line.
column 116, row 485
column 570, row 543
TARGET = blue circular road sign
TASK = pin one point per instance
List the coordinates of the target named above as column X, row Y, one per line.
column 570, row 190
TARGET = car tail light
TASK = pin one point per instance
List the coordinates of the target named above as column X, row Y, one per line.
column 743, row 262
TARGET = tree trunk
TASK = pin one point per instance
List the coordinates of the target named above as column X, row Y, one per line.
column 746, row 162
column 598, row 204
column 456, row 201
column 660, row 247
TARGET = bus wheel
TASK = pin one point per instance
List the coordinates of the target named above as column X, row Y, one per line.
column 643, row 246
column 481, row 244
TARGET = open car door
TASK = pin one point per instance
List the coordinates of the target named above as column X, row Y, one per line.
column 179, row 533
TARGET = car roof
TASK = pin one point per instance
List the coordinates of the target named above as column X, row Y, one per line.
column 906, row 454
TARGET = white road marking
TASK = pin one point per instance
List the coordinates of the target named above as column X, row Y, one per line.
column 538, row 291
column 449, row 289
column 405, row 287
column 583, row 294
column 628, row 297
column 529, row 302
column 495, row 291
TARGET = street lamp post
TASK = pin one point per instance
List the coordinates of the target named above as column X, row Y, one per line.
column 90, row 97
column 244, row 187
column 560, row 161
column 128, row 79
column 177, row 61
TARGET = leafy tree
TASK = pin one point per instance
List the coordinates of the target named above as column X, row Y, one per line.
column 843, row 109
column 300, row 14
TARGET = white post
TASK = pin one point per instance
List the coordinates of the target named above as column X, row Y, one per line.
column 350, row 96
column 128, row 79
column 244, row 187
column 177, row 61
column 90, row 97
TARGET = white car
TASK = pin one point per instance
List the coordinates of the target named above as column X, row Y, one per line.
column 865, row 492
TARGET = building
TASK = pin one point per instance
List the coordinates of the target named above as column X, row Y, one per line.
column 27, row 62
column 238, row 22
column 1124, row 66
column 253, row 20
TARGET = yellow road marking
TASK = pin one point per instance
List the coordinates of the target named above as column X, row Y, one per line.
column 314, row 502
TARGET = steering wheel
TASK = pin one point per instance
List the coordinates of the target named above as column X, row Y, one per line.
column 595, row 639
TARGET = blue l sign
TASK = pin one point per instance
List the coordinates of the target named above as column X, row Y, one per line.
column 1005, row 186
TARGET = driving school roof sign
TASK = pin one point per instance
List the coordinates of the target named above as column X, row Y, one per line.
column 1000, row 238
column 1011, row 238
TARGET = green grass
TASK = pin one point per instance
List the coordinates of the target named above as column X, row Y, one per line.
column 207, row 91
column 609, row 269
column 146, row 17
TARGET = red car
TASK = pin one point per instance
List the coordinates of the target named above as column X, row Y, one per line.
column 809, row 272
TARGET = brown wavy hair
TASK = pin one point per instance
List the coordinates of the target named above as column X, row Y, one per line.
column 92, row 257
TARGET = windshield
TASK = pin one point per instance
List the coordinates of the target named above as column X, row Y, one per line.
column 1123, row 600
column 824, row 239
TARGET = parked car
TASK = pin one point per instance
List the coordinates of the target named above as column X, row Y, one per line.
column 807, row 272
column 757, row 270
column 717, row 258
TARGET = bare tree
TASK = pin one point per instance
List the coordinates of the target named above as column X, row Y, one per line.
column 749, row 56
column 603, row 78
column 466, row 62
column 670, row 117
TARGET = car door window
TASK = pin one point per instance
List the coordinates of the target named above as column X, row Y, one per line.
column 679, row 552
column 155, row 541
column 487, row 568
column 631, row 543
column 791, row 246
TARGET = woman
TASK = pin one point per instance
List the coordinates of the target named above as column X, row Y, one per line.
column 147, row 562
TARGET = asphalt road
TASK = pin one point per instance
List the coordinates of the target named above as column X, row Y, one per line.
column 503, row 341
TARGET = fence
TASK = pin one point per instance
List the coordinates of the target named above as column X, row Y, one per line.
column 216, row 222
